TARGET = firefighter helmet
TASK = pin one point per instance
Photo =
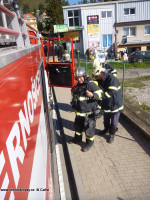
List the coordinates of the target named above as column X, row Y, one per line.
column 80, row 71
column 97, row 63
column 98, row 70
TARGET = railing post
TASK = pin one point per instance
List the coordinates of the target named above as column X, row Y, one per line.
column 86, row 63
column 16, row 27
column 4, row 19
column 123, row 80
column 78, row 58
column 24, row 30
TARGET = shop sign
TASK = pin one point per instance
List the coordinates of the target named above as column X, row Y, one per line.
column 60, row 28
column 74, row 35
column 75, row 27
column 93, row 19
column 93, row 28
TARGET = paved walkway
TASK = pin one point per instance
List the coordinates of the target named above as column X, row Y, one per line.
column 117, row 171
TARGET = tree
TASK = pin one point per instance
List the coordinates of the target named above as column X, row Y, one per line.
column 26, row 8
column 40, row 26
column 85, row 1
column 65, row 3
column 41, row 8
column 92, row 1
column 55, row 12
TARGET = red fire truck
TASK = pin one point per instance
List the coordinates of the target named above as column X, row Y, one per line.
column 26, row 138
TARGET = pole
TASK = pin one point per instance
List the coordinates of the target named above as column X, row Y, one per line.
column 123, row 80
column 78, row 58
column 86, row 63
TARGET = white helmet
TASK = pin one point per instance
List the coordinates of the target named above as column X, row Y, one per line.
column 98, row 70
column 96, row 63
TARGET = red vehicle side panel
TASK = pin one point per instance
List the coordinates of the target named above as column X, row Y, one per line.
column 23, row 135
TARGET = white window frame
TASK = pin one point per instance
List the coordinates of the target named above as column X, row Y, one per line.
column 129, row 11
column 130, row 31
column 73, row 17
column 106, row 14
column 145, row 30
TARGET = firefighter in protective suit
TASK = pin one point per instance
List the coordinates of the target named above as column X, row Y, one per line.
column 84, row 102
column 112, row 102
column 97, row 64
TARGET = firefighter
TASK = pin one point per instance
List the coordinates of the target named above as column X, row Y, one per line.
column 98, row 64
column 112, row 102
column 84, row 102
column 110, row 69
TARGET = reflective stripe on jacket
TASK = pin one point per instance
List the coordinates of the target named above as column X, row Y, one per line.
column 86, row 104
column 112, row 101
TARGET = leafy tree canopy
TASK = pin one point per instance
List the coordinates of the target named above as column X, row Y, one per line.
column 26, row 8
column 41, row 8
column 55, row 12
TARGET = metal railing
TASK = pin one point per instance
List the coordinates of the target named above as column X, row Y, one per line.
column 19, row 28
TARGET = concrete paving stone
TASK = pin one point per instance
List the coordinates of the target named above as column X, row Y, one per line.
column 93, row 196
column 120, row 167
column 101, row 197
column 122, row 196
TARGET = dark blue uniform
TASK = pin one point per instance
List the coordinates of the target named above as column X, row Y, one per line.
column 112, row 102
column 84, row 107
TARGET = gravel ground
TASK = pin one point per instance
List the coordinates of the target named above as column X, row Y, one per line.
column 141, row 96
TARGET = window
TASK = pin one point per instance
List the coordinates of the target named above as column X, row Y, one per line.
column 129, row 31
column 129, row 11
column 106, row 14
column 148, row 48
column 107, row 40
column 147, row 30
column 147, row 54
column 73, row 16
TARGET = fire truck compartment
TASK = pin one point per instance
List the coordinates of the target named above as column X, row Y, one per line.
column 60, row 75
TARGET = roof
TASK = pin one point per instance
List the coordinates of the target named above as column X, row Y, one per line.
column 120, row 24
column 137, row 42
column 100, row 3
column 28, row 16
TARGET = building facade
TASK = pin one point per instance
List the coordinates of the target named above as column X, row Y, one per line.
column 31, row 20
column 107, row 24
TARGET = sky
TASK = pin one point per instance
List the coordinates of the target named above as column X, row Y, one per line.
column 71, row 2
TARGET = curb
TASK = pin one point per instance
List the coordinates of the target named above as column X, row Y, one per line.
column 140, row 125
column 73, row 170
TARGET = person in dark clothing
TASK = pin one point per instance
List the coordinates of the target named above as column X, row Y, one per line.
column 45, row 48
column 112, row 102
column 84, row 102
column 110, row 68
column 112, row 53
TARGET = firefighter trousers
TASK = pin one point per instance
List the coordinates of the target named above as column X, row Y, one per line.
column 111, row 120
column 85, row 124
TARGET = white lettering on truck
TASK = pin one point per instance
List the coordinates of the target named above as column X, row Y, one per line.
column 25, row 120
column 16, row 152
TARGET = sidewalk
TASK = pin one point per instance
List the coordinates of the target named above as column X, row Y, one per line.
column 118, row 171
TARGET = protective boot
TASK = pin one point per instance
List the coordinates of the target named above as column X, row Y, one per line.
column 111, row 139
column 88, row 145
column 76, row 139
column 103, row 132
column 112, row 132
